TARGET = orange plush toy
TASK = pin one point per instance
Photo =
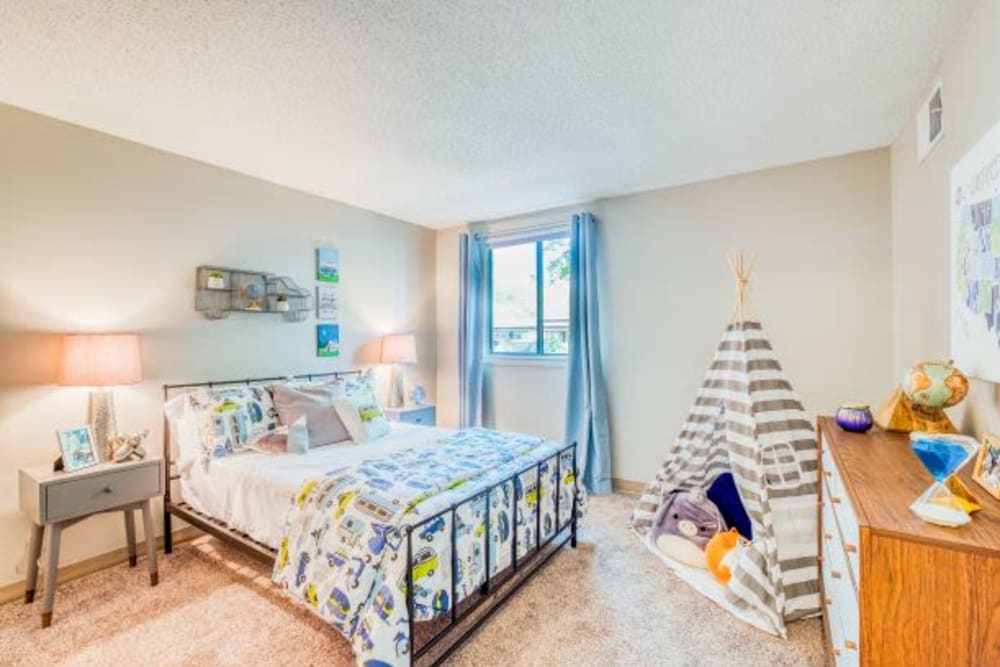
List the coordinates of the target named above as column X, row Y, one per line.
column 720, row 552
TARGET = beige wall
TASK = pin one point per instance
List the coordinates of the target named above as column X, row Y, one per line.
column 920, row 213
column 99, row 234
column 821, row 231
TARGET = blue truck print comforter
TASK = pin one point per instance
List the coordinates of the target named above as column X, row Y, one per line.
column 344, row 547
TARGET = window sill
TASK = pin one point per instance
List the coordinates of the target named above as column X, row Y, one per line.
column 537, row 361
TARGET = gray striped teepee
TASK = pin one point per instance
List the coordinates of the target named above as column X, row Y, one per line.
column 747, row 420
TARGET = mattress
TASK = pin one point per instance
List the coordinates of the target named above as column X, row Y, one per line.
column 251, row 492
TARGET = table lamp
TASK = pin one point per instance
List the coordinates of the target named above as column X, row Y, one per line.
column 398, row 350
column 100, row 361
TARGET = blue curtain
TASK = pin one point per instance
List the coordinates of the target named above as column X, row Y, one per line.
column 474, row 269
column 587, row 405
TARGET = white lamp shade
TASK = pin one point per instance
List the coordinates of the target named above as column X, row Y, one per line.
column 399, row 349
column 100, row 360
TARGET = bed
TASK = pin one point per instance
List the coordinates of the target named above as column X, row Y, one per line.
column 406, row 544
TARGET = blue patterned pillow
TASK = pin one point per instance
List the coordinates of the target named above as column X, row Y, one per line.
column 231, row 419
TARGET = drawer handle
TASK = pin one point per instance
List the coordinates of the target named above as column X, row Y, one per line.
column 851, row 645
column 835, row 574
column 850, row 548
column 835, row 500
column 107, row 489
column 828, row 473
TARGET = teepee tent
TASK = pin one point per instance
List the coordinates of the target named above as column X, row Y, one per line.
column 746, row 420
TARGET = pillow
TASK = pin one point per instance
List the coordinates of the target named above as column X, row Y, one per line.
column 229, row 419
column 349, row 385
column 726, row 497
column 292, row 439
column 362, row 416
column 184, row 434
column 315, row 403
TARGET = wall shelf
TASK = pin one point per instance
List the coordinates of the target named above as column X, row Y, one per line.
column 220, row 291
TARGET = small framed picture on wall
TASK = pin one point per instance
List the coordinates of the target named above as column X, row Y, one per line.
column 327, row 303
column 327, row 340
column 327, row 265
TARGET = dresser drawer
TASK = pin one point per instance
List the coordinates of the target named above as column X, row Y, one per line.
column 833, row 537
column 835, row 494
column 86, row 495
column 840, row 605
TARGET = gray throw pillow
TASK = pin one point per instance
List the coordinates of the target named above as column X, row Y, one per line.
column 315, row 403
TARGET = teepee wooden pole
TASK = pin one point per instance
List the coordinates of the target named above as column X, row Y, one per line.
column 741, row 266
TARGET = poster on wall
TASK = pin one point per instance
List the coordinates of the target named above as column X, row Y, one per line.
column 327, row 265
column 327, row 304
column 975, row 259
column 327, row 340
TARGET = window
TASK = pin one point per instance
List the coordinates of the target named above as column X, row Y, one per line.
column 528, row 315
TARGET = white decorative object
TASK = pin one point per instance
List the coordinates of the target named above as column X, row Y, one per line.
column 128, row 446
column 216, row 280
column 930, row 123
column 974, row 274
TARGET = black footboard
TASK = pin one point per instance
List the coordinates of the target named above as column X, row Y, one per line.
column 434, row 640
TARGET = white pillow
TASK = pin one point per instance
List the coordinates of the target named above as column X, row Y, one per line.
column 362, row 416
column 292, row 439
column 184, row 433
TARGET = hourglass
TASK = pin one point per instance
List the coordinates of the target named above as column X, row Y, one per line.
column 943, row 456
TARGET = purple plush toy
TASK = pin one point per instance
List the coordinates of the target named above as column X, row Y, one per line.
column 684, row 524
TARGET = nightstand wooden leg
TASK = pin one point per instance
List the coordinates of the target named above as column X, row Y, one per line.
column 147, row 526
column 130, row 537
column 34, row 553
column 51, row 574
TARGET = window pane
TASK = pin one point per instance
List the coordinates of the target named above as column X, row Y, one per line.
column 515, row 311
column 555, row 296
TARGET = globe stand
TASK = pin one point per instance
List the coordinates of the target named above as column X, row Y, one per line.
column 942, row 457
column 900, row 413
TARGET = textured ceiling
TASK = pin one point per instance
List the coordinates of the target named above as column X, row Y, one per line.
column 456, row 110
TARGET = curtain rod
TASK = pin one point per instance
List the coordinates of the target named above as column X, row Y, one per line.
column 552, row 226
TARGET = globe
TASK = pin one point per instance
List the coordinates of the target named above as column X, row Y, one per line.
column 935, row 384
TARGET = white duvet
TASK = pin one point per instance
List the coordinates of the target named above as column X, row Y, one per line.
column 251, row 492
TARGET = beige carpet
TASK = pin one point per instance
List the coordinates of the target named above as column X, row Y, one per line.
column 610, row 602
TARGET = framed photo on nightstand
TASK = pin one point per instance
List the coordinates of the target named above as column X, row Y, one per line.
column 77, row 447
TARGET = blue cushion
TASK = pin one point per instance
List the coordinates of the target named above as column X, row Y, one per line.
column 725, row 496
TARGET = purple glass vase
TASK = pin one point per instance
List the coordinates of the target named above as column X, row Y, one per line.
column 854, row 417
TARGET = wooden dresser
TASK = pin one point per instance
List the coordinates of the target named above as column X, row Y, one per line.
column 896, row 590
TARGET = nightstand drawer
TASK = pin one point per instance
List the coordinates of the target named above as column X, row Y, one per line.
column 422, row 416
column 95, row 493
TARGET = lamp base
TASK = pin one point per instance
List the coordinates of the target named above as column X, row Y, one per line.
column 101, row 417
column 396, row 390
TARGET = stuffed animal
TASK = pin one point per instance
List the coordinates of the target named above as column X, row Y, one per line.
column 721, row 554
column 683, row 526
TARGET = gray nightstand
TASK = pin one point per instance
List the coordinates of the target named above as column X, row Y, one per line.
column 57, row 500
column 424, row 415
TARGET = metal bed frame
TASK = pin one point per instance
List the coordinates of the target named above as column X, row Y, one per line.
column 440, row 636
